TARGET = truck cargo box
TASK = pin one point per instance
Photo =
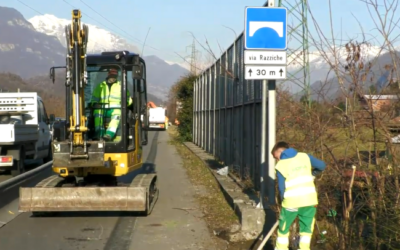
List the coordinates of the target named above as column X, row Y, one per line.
column 18, row 133
column 18, row 117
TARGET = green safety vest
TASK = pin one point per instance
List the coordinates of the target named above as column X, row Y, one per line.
column 103, row 94
column 299, row 182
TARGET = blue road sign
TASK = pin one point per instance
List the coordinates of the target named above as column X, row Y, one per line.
column 265, row 28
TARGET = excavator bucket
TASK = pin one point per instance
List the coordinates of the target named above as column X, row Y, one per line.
column 46, row 199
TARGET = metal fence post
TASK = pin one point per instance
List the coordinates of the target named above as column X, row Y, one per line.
column 209, row 108
column 214, row 108
column 194, row 112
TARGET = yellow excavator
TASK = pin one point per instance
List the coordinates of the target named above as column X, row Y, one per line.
column 87, row 165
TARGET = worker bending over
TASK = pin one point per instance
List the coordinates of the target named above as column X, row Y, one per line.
column 108, row 95
column 295, row 173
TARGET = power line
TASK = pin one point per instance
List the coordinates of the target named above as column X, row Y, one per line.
column 86, row 14
column 148, row 31
column 110, row 29
column 132, row 38
column 30, row 7
column 35, row 10
column 109, row 21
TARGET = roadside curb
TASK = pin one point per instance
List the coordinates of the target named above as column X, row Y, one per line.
column 250, row 217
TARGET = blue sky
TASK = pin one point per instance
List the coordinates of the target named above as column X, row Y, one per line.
column 170, row 20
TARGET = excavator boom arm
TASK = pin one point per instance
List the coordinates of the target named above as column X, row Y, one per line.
column 77, row 38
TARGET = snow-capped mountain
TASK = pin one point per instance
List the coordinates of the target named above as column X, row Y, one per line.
column 161, row 75
column 319, row 64
column 184, row 65
column 319, row 59
column 99, row 39
column 324, row 82
column 23, row 50
column 320, row 69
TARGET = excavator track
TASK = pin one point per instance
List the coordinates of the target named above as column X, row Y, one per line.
column 52, row 181
column 150, row 182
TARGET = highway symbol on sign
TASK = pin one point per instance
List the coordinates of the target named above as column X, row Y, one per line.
column 265, row 28
column 265, row 72
column 257, row 57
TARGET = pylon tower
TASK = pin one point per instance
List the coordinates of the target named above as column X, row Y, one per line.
column 298, row 46
column 193, row 59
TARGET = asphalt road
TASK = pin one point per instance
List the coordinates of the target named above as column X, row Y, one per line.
column 175, row 222
column 29, row 165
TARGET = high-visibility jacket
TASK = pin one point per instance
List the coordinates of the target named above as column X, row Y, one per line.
column 299, row 183
column 108, row 97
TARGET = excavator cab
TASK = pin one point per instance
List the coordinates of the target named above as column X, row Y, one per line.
column 131, row 89
column 106, row 97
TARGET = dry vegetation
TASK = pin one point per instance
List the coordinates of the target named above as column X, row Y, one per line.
column 359, row 191
column 52, row 94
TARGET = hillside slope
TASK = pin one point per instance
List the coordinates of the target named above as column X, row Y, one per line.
column 53, row 94
column 99, row 39
column 161, row 75
column 28, row 53
column 53, row 100
column 23, row 50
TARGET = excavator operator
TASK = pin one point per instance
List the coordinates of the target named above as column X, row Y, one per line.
column 108, row 95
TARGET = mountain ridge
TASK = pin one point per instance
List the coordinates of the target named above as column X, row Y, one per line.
column 54, row 26
column 23, row 50
column 161, row 75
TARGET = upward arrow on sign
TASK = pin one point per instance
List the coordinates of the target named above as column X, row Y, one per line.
column 250, row 71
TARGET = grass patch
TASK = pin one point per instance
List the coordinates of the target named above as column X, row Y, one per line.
column 217, row 212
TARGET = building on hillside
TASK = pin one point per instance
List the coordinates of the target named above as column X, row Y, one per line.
column 378, row 102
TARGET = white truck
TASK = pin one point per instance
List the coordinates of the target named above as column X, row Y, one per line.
column 25, row 132
column 157, row 118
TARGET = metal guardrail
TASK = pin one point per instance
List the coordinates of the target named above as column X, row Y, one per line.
column 22, row 177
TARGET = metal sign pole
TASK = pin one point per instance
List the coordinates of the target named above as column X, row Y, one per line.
column 271, row 133
column 265, row 58
column 264, row 124
column 271, row 140
column 268, row 111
